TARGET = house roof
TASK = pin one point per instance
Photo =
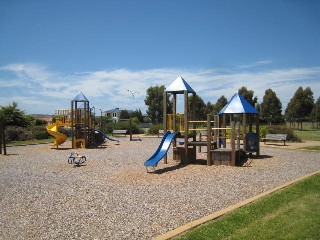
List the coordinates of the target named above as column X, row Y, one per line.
column 179, row 86
column 238, row 104
column 115, row 110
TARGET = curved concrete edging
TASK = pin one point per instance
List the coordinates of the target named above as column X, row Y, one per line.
column 175, row 232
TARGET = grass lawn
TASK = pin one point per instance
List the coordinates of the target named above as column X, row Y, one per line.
column 30, row 142
column 291, row 213
column 311, row 135
column 317, row 148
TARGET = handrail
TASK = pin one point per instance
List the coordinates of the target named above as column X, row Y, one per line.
column 199, row 121
column 197, row 129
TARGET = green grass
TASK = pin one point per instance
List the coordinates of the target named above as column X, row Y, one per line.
column 291, row 213
column 30, row 142
column 317, row 148
column 311, row 135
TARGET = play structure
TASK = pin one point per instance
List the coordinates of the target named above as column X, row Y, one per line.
column 81, row 122
column 229, row 136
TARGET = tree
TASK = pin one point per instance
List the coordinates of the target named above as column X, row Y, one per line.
column 248, row 95
column 209, row 108
column 300, row 106
column 221, row 102
column 271, row 108
column 13, row 116
column 138, row 114
column 200, row 107
column 154, row 101
column 316, row 110
column 124, row 114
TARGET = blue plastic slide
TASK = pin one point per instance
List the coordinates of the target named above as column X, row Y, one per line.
column 162, row 150
column 106, row 136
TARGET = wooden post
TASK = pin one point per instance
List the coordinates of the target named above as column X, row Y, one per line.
column 2, row 137
column 130, row 128
column 233, row 150
column 186, row 127
column 244, row 130
column 215, row 130
column 165, row 159
column 258, row 134
column 224, row 131
column 209, row 162
column 174, row 117
column 1, row 133
column 238, row 134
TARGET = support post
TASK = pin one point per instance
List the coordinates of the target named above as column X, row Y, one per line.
column 186, row 125
column 224, row 131
column 244, row 130
column 258, row 134
column 174, row 117
column 233, row 150
column 2, row 137
column 165, row 159
column 130, row 128
column 209, row 162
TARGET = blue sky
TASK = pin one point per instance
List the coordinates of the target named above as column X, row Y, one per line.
column 51, row 50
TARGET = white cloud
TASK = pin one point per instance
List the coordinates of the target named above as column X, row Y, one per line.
column 39, row 90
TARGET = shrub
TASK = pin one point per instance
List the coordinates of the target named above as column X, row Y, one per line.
column 40, row 132
column 123, row 125
column 15, row 133
column 154, row 129
column 284, row 130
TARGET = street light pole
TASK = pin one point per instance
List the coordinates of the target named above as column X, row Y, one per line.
column 133, row 93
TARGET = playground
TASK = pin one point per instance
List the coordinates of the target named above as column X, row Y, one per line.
column 111, row 196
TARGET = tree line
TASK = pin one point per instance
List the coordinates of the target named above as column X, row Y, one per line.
column 300, row 108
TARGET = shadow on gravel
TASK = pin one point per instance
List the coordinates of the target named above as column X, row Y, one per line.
column 168, row 169
column 79, row 165
column 61, row 148
column 262, row 157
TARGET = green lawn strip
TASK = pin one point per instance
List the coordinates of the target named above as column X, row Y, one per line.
column 30, row 142
column 291, row 213
column 311, row 135
column 317, row 148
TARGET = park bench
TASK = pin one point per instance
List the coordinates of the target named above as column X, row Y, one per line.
column 275, row 137
column 124, row 132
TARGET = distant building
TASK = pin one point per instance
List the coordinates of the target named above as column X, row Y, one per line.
column 62, row 112
column 114, row 114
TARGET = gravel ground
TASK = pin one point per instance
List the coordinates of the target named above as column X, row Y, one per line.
column 113, row 197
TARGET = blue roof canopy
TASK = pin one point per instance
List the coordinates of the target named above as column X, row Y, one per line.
column 238, row 104
column 80, row 98
column 179, row 85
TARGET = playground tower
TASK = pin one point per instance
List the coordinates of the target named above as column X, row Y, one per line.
column 80, row 122
column 179, row 86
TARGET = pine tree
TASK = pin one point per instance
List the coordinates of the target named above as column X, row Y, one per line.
column 271, row 108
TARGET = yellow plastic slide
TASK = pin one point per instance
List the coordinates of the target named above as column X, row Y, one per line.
column 53, row 131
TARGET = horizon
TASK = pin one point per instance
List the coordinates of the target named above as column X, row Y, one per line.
column 49, row 52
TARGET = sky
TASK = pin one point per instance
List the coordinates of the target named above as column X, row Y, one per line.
column 114, row 50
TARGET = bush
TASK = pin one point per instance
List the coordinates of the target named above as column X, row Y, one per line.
column 123, row 125
column 154, row 129
column 40, row 132
column 273, row 129
column 15, row 133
